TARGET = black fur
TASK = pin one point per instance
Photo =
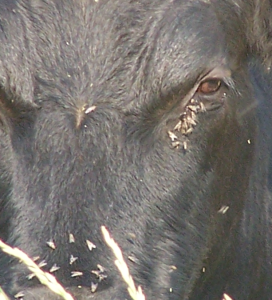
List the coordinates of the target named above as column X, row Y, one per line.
column 96, row 104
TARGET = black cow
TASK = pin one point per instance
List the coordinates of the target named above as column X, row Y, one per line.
column 151, row 117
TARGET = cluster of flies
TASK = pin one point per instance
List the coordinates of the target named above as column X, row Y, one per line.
column 100, row 272
column 186, row 123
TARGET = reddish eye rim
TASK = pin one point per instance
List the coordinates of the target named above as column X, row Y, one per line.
column 209, row 86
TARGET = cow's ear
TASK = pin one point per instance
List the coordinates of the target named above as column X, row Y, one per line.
column 258, row 27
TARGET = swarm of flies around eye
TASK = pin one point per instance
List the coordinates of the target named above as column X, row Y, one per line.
column 186, row 123
column 188, row 119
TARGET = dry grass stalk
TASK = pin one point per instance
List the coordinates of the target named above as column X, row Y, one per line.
column 136, row 294
column 226, row 297
column 44, row 277
column 3, row 296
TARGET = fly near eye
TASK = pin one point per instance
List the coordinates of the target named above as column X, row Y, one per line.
column 209, row 86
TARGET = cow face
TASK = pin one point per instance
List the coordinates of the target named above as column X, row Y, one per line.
column 139, row 116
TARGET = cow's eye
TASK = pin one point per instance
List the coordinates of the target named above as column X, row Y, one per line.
column 209, row 86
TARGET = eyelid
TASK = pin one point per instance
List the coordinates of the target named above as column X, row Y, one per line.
column 220, row 73
column 223, row 73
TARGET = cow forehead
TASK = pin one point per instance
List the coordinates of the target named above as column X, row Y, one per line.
column 178, row 29
column 166, row 39
column 90, row 47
